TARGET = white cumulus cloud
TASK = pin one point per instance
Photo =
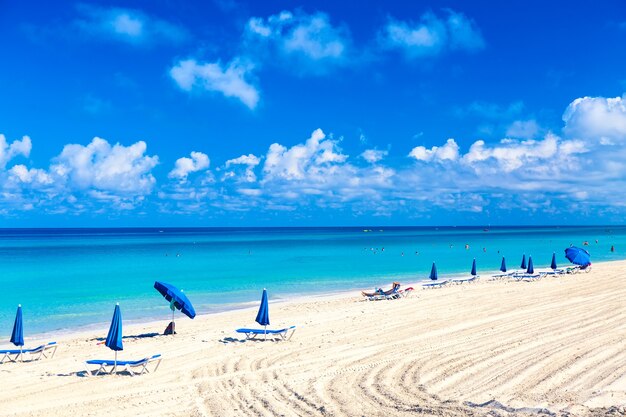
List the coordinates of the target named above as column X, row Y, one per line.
column 116, row 169
column 250, row 161
column 9, row 151
column 597, row 119
column 295, row 162
column 184, row 166
column 448, row 152
column 231, row 81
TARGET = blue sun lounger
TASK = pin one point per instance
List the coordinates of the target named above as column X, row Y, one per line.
column 251, row 334
column 43, row 351
column 109, row 366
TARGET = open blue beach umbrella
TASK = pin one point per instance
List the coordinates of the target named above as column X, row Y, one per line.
column 433, row 272
column 578, row 256
column 17, row 336
column 177, row 299
column 114, row 337
column 553, row 263
column 263, row 316
column 503, row 265
column 531, row 269
column 523, row 264
column 473, row 268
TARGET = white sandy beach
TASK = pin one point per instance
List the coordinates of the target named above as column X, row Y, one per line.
column 558, row 343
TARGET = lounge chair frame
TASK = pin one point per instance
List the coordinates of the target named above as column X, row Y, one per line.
column 109, row 366
column 285, row 334
column 43, row 351
column 435, row 284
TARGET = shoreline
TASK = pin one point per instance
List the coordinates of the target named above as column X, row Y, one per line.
column 249, row 305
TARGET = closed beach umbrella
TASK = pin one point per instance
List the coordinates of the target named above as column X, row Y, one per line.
column 578, row 256
column 503, row 265
column 553, row 263
column 263, row 316
column 473, row 268
column 177, row 298
column 17, row 336
column 523, row 264
column 433, row 272
column 531, row 269
column 114, row 337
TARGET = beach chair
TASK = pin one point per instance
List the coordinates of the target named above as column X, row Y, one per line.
column 375, row 296
column 435, row 284
column 406, row 292
column 578, row 269
column 464, row 280
column 109, row 366
column 285, row 334
column 43, row 351
column 379, row 294
column 526, row 277
column 553, row 272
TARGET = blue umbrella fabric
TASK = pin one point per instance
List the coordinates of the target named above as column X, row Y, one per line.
column 114, row 337
column 17, row 336
column 433, row 272
column 263, row 316
column 523, row 264
column 553, row 263
column 503, row 265
column 578, row 256
column 473, row 268
column 531, row 269
column 176, row 297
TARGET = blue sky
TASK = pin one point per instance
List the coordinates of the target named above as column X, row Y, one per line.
column 233, row 113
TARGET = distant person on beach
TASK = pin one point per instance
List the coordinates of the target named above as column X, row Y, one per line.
column 612, row 248
column 466, row 246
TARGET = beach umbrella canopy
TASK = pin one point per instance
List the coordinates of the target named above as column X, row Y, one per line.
column 523, row 264
column 176, row 297
column 17, row 336
column 578, row 256
column 263, row 316
column 433, row 272
column 503, row 265
column 473, row 268
column 531, row 269
column 553, row 263
column 114, row 337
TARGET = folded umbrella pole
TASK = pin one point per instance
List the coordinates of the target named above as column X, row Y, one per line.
column 17, row 336
column 114, row 337
column 433, row 272
column 263, row 316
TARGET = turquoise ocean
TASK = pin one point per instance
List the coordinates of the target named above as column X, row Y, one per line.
column 70, row 279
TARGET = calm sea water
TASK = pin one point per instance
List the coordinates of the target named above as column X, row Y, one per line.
column 67, row 279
